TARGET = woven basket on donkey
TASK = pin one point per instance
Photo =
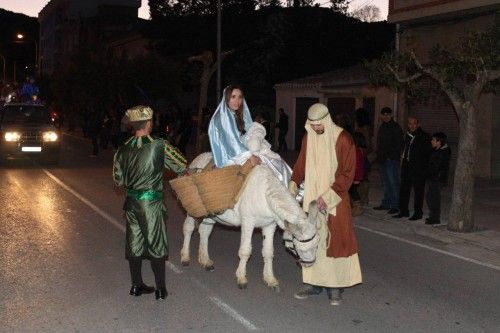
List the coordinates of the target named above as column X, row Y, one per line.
column 219, row 187
column 188, row 195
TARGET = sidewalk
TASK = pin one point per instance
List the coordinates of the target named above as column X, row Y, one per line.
column 481, row 246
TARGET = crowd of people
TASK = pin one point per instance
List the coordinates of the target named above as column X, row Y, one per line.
column 407, row 162
column 28, row 92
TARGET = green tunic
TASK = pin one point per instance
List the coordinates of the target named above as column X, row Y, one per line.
column 138, row 166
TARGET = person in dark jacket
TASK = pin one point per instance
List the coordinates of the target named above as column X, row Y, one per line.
column 414, row 161
column 389, row 143
column 282, row 125
column 439, row 163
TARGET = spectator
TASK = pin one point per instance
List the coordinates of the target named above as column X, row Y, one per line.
column 29, row 90
column 415, row 159
column 439, row 163
column 359, row 176
column 363, row 125
column 389, row 143
column 282, row 125
column 93, row 129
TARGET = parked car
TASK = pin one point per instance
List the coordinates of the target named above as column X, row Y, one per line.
column 28, row 129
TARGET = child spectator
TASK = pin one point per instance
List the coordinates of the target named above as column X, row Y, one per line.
column 439, row 163
column 359, row 176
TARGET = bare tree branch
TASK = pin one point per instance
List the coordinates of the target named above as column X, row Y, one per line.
column 406, row 79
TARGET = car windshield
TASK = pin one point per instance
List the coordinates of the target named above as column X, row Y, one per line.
column 25, row 114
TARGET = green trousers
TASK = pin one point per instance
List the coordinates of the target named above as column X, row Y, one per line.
column 146, row 234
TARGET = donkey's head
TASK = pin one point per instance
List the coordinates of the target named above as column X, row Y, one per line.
column 302, row 238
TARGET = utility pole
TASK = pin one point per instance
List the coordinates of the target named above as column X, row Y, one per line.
column 219, row 46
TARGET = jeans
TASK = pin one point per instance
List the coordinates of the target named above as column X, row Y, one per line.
column 392, row 183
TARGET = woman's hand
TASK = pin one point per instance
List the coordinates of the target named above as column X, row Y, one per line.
column 255, row 160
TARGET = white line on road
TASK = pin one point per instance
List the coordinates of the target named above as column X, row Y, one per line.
column 233, row 313
column 99, row 211
column 226, row 307
column 474, row 261
column 216, row 300
column 96, row 209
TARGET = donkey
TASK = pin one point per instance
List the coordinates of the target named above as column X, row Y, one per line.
column 264, row 203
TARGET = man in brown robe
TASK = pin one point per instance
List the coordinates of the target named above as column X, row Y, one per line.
column 326, row 164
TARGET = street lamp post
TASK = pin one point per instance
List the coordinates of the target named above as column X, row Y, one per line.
column 219, row 42
column 21, row 37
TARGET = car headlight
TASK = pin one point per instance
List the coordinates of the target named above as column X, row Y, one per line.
column 50, row 136
column 12, row 136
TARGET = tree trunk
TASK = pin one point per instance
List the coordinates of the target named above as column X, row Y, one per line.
column 461, row 217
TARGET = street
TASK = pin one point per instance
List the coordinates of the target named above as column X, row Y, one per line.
column 63, row 270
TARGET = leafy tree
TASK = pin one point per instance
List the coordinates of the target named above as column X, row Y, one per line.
column 269, row 3
column 368, row 13
column 302, row 3
column 168, row 8
column 340, row 6
column 464, row 73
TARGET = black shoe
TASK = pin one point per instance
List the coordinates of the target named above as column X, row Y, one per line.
column 139, row 289
column 431, row 222
column 393, row 211
column 308, row 291
column 161, row 293
column 415, row 217
column 381, row 208
column 400, row 215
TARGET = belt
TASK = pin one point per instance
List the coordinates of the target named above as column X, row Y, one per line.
column 145, row 194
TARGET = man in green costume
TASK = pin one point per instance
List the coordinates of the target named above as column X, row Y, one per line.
column 138, row 166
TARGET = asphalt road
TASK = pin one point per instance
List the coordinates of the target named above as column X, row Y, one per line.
column 62, row 269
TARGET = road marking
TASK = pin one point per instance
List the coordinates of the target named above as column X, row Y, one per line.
column 96, row 209
column 99, row 211
column 233, row 313
column 430, row 248
column 216, row 300
column 226, row 307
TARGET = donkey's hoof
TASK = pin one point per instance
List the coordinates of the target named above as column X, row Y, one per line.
column 276, row 289
column 242, row 286
column 185, row 263
column 210, row 268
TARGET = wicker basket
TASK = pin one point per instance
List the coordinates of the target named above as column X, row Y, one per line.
column 219, row 187
column 211, row 191
column 188, row 195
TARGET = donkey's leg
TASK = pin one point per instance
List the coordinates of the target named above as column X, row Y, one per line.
column 187, row 229
column 268, row 254
column 244, row 253
column 205, row 229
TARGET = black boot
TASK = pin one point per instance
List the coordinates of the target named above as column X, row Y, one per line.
column 139, row 289
column 161, row 293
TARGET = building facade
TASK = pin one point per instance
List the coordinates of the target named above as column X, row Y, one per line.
column 67, row 26
column 343, row 91
column 423, row 24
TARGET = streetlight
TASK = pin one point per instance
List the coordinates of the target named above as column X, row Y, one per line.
column 219, row 42
column 20, row 37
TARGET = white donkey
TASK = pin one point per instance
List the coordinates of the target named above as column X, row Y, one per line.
column 264, row 203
